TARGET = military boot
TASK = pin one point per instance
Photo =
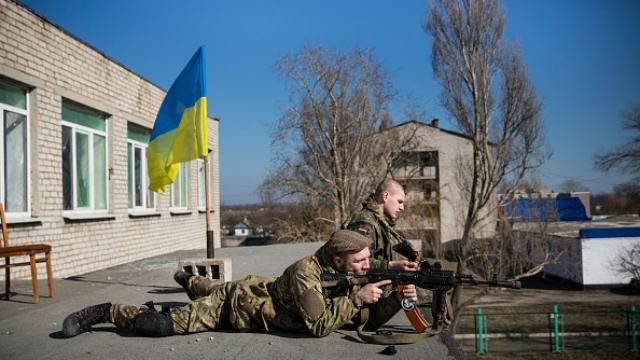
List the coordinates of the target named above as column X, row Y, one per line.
column 182, row 278
column 153, row 323
column 81, row 321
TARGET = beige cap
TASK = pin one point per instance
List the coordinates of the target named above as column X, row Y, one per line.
column 346, row 241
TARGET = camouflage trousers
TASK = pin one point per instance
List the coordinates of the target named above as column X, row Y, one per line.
column 243, row 305
column 200, row 286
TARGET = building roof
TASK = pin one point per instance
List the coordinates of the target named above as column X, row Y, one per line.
column 610, row 232
column 571, row 229
column 420, row 123
column 241, row 225
column 563, row 208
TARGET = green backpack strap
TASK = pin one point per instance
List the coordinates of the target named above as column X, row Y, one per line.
column 391, row 339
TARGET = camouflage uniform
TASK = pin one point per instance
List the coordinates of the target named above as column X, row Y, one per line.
column 294, row 301
column 199, row 286
column 371, row 221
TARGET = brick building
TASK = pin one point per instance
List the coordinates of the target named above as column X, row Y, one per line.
column 75, row 125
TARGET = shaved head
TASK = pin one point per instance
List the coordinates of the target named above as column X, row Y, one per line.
column 389, row 185
column 390, row 197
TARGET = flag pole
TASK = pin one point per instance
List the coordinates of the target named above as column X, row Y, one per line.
column 210, row 245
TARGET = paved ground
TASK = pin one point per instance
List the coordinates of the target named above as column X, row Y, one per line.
column 29, row 331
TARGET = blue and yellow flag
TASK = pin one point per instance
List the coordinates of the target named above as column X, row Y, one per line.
column 180, row 131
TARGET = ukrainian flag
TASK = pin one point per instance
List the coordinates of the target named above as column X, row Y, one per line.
column 180, row 131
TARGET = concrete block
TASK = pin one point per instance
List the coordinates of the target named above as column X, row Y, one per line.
column 214, row 269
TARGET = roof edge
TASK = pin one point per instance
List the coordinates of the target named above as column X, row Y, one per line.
column 68, row 33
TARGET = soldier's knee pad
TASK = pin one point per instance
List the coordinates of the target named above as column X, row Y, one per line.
column 153, row 323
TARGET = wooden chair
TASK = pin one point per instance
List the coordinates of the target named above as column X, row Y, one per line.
column 31, row 251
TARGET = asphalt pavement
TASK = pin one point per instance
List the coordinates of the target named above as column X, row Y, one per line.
column 30, row 331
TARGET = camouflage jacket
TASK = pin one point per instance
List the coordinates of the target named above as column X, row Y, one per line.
column 296, row 301
column 370, row 221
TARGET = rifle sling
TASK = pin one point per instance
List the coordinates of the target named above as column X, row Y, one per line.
column 397, row 339
column 329, row 283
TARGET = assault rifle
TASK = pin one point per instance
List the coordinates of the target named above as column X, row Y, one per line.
column 430, row 277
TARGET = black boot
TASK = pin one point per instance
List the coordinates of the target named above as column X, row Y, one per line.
column 182, row 278
column 153, row 323
column 81, row 321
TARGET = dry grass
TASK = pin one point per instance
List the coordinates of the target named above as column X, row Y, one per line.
column 559, row 356
column 590, row 317
column 578, row 317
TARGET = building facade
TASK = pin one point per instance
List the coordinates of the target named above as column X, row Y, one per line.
column 431, row 175
column 588, row 253
column 75, row 126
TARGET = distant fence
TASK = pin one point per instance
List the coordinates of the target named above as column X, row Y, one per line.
column 601, row 330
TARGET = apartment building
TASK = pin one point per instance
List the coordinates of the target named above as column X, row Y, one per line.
column 432, row 175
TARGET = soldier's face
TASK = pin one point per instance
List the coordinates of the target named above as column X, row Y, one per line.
column 353, row 262
column 393, row 203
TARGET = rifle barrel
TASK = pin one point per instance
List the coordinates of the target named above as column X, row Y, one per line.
column 510, row 284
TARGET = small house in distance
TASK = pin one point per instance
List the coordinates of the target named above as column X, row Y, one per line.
column 242, row 229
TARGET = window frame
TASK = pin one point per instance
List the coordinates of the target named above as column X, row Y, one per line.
column 3, row 109
column 183, row 168
column 75, row 128
column 145, row 179
column 201, row 195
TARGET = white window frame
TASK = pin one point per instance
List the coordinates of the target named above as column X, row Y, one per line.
column 179, row 184
column 75, row 128
column 25, row 112
column 145, row 179
column 201, row 184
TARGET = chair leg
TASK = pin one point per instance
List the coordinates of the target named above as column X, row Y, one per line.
column 49, row 274
column 7, row 278
column 34, row 277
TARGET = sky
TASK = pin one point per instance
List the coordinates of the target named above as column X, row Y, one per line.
column 583, row 58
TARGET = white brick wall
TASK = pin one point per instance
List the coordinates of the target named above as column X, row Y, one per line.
column 57, row 65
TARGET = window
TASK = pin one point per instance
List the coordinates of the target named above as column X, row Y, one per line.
column 417, row 165
column 178, row 191
column 84, row 158
column 139, row 195
column 201, row 190
column 428, row 161
column 14, row 149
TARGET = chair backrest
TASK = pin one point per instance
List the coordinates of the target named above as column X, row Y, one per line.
column 5, row 233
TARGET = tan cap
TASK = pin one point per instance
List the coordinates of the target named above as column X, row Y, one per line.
column 346, row 241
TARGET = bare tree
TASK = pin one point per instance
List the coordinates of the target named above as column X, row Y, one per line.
column 326, row 151
column 630, row 191
column 572, row 185
column 514, row 254
column 627, row 262
column 300, row 223
column 528, row 185
column 624, row 199
column 487, row 92
column 626, row 156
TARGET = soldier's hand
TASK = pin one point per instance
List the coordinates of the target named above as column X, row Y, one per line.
column 403, row 265
column 408, row 292
column 371, row 293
